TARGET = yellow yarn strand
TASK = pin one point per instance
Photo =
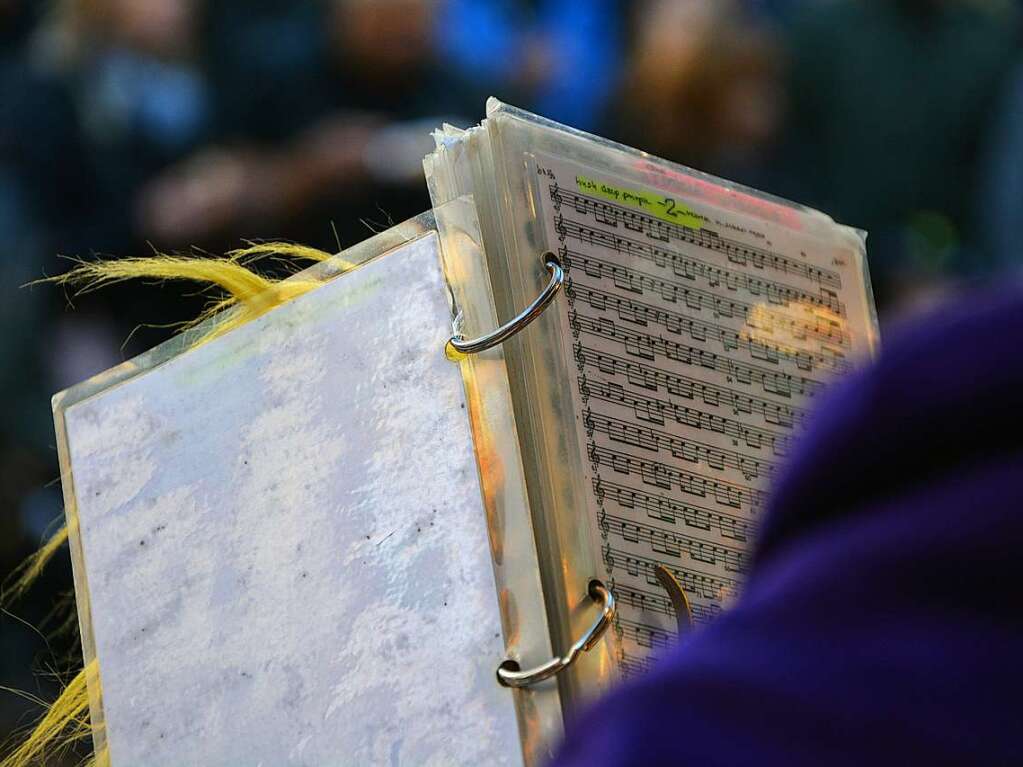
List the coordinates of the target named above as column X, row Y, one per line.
column 65, row 723
column 248, row 310
column 293, row 250
column 30, row 570
column 257, row 293
column 242, row 283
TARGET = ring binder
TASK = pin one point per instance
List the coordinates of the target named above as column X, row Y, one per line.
column 524, row 317
column 629, row 435
column 508, row 673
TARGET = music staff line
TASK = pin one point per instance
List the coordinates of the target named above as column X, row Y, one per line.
column 648, row 347
column 672, row 544
column 651, row 602
column 666, row 477
column 682, row 448
column 609, row 214
column 672, row 511
column 695, row 582
column 639, row 313
column 653, row 378
column 657, row 411
column 633, row 664
column 644, row 635
column 825, row 329
column 689, row 268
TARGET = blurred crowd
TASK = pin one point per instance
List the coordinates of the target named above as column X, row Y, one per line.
column 127, row 125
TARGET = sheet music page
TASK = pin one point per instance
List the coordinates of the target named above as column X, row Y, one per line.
column 697, row 336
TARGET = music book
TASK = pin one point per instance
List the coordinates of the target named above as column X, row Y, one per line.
column 416, row 515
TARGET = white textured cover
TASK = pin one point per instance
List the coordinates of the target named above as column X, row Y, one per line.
column 284, row 542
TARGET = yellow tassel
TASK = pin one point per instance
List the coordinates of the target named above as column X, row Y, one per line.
column 65, row 723
column 257, row 293
column 240, row 282
column 29, row 570
column 249, row 309
column 260, row 249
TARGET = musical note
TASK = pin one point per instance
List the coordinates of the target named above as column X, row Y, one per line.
column 690, row 268
column 655, row 440
column 663, row 231
column 648, row 347
column 643, row 314
column 672, row 544
column 658, row 604
column 695, row 582
column 667, row 477
column 655, row 379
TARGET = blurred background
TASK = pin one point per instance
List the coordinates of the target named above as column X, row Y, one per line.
column 127, row 125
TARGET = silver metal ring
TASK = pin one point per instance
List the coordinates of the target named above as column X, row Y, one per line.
column 530, row 313
column 508, row 673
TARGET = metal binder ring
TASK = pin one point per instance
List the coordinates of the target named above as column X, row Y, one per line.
column 508, row 673
column 527, row 315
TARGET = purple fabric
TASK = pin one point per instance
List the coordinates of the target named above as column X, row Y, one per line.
column 882, row 620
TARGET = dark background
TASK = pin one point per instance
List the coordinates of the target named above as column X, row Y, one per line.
column 127, row 125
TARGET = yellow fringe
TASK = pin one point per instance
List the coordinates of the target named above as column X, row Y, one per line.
column 250, row 295
column 65, row 723
column 255, row 293
column 260, row 249
column 30, row 570
column 249, row 309
column 240, row 282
